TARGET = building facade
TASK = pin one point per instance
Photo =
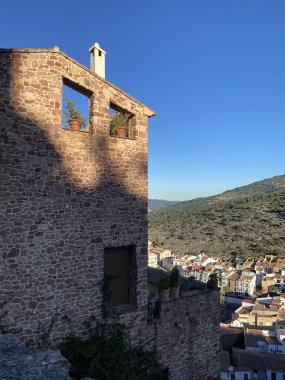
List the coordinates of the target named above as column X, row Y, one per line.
column 66, row 196
column 74, row 211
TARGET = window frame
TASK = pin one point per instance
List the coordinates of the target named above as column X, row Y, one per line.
column 117, row 108
column 116, row 261
column 83, row 91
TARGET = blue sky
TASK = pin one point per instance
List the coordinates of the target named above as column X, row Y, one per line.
column 213, row 70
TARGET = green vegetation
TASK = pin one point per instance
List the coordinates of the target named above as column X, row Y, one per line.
column 109, row 354
column 71, row 113
column 174, row 277
column 212, row 283
column 247, row 221
column 119, row 120
column 163, row 282
column 223, row 292
column 155, row 204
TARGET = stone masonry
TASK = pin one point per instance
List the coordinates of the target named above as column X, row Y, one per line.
column 65, row 196
column 186, row 336
column 26, row 363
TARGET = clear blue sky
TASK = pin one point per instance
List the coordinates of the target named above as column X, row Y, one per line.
column 213, row 70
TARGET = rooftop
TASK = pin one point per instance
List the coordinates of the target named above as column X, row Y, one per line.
column 248, row 359
column 242, row 310
column 234, row 277
column 258, row 361
column 158, row 250
column 252, row 337
column 271, row 340
column 228, row 329
column 263, row 307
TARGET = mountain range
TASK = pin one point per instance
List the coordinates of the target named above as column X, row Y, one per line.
column 157, row 204
column 246, row 221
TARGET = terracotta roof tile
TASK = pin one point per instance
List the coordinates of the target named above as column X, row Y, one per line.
column 271, row 339
column 258, row 361
column 248, row 359
column 252, row 337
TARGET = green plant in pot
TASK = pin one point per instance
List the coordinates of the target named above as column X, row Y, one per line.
column 212, row 283
column 119, row 125
column 174, row 283
column 163, row 288
column 72, row 117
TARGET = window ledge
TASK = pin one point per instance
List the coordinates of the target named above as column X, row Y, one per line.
column 81, row 131
column 123, row 138
column 122, row 309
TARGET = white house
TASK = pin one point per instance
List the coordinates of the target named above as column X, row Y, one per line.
column 152, row 259
column 247, row 284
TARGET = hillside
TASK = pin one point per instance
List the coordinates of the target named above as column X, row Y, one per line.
column 248, row 221
column 156, row 204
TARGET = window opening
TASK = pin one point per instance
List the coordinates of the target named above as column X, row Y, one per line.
column 75, row 106
column 121, row 122
column 119, row 270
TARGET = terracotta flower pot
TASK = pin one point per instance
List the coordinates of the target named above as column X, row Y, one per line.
column 121, row 132
column 163, row 295
column 74, row 124
column 174, row 292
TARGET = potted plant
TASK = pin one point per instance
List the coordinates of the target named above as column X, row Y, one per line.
column 212, row 283
column 73, row 117
column 163, row 288
column 174, row 283
column 119, row 124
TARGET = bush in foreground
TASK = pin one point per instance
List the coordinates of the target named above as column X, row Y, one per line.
column 109, row 355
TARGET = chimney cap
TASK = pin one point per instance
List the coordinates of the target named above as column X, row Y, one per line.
column 96, row 46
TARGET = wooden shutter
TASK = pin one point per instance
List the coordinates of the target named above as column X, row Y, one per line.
column 117, row 268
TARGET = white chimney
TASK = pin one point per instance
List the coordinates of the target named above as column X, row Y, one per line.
column 97, row 60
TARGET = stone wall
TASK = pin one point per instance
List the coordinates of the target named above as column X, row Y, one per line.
column 189, row 335
column 65, row 195
column 186, row 336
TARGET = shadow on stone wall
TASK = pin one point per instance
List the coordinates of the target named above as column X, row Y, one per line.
column 54, row 227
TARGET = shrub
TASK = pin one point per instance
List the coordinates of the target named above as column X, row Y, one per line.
column 119, row 120
column 109, row 354
column 72, row 113
column 174, row 277
column 163, row 282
